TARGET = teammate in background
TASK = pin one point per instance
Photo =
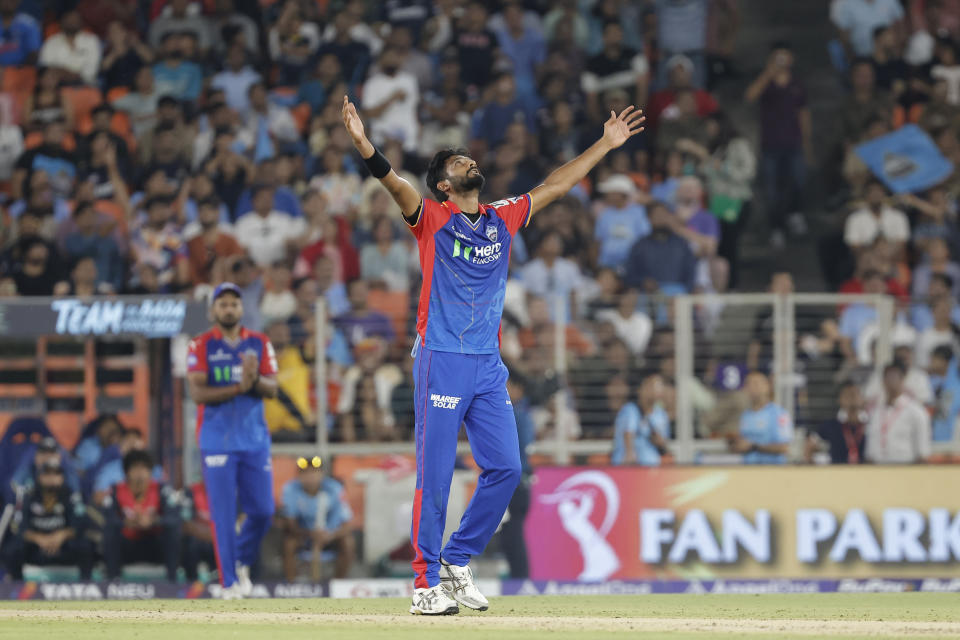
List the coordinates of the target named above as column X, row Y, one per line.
column 766, row 429
column 316, row 516
column 459, row 375
column 230, row 370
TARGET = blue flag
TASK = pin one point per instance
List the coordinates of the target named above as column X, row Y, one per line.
column 906, row 160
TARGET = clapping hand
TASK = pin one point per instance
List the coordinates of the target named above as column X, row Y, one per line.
column 250, row 375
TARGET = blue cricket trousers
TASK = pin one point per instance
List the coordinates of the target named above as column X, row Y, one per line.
column 231, row 477
column 450, row 389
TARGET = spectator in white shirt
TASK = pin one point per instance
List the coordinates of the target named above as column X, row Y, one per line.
column 278, row 120
column 236, row 79
column 856, row 21
column 940, row 334
column 876, row 220
column 390, row 99
column 270, row 236
column 74, row 51
column 632, row 326
column 899, row 430
column 551, row 275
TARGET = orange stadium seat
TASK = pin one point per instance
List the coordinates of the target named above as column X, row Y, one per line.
column 394, row 304
column 19, row 79
column 35, row 139
column 82, row 100
column 301, row 115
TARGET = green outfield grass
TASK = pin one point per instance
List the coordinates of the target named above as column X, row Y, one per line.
column 521, row 618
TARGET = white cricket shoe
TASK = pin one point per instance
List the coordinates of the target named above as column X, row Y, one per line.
column 233, row 592
column 458, row 581
column 243, row 580
column 433, row 602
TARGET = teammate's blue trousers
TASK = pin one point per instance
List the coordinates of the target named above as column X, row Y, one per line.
column 450, row 389
column 247, row 477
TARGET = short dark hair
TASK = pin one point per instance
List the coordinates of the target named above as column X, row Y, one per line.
column 168, row 101
column 137, row 458
column 103, row 107
column 437, row 169
column 943, row 352
column 209, row 201
column 81, row 207
column 945, row 278
column 896, row 365
column 155, row 200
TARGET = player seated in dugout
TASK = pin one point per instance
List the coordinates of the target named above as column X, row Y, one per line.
column 315, row 520
column 141, row 520
column 49, row 526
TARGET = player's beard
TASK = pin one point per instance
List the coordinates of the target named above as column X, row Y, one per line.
column 228, row 323
column 466, row 184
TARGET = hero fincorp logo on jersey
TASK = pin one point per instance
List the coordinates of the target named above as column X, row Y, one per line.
column 147, row 317
column 478, row 255
column 444, row 402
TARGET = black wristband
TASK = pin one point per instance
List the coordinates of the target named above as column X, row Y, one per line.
column 377, row 164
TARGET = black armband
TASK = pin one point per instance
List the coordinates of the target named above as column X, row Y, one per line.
column 377, row 164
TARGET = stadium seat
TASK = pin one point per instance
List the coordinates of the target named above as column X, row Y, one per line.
column 82, row 100
column 394, row 304
column 116, row 93
column 35, row 139
column 301, row 115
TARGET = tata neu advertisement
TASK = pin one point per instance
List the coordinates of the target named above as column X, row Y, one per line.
column 596, row 524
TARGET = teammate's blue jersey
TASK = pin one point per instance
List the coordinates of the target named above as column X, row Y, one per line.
column 465, row 273
column 770, row 424
column 238, row 424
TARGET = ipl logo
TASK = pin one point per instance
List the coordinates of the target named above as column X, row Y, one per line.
column 575, row 498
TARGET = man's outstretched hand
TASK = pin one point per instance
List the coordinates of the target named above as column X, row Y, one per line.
column 354, row 126
column 619, row 128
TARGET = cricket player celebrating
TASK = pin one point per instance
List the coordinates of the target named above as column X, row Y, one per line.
column 458, row 374
column 230, row 370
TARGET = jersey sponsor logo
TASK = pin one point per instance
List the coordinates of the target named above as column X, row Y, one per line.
column 478, row 255
column 227, row 373
column 460, row 235
column 506, row 202
column 220, row 355
column 192, row 360
column 215, row 461
column 444, row 402
column 491, row 232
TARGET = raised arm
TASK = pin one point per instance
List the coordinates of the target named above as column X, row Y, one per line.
column 616, row 130
column 404, row 193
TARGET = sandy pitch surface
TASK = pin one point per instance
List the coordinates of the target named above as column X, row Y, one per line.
column 540, row 623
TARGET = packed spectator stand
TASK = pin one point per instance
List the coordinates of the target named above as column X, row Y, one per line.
column 164, row 147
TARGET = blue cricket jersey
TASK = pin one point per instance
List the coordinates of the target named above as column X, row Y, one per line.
column 630, row 419
column 769, row 425
column 327, row 510
column 237, row 424
column 465, row 273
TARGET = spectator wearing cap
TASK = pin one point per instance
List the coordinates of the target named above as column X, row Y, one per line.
column 141, row 103
column 661, row 261
column 75, row 52
column 899, row 430
column 766, row 429
column 142, row 520
column 20, row 35
column 615, row 67
column 90, row 239
column 945, row 379
column 857, row 20
column 642, row 428
column 213, row 243
column 390, row 99
column 49, row 526
column 124, row 56
column 267, row 234
column 177, row 18
column 621, row 221
column 786, row 141
column 158, row 241
column 174, row 76
column 24, row 477
column 236, row 79
column 876, row 220
column 680, row 75
column 315, row 519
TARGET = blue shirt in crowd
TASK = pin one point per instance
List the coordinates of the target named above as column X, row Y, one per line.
column 631, row 420
column 946, row 391
column 617, row 230
column 768, row 425
column 328, row 505
column 18, row 40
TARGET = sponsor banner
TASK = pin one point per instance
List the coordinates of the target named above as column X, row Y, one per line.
column 150, row 316
column 750, row 587
column 628, row 523
column 394, row 588
column 148, row 590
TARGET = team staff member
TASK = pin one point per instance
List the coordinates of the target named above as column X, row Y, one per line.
column 49, row 526
column 230, row 370
column 464, row 250
column 766, row 429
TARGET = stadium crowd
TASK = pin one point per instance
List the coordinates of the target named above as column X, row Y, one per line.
column 166, row 146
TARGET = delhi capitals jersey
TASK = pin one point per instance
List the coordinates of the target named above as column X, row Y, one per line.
column 237, row 424
column 465, row 273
